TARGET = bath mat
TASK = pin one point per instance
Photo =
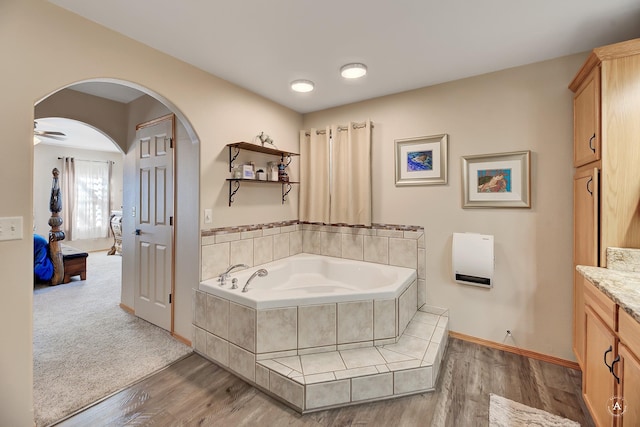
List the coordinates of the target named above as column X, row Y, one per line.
column 507, row 413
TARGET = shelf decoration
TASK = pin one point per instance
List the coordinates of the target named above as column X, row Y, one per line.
column 266, row 139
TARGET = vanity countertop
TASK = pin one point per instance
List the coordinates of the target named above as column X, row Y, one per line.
column 621, row 280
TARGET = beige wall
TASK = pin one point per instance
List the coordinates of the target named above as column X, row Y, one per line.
column 49, row 49
column 525, row 108
column 103, row 114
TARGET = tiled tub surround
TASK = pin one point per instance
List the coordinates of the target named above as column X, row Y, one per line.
column 323, row 355
column 327, row 376
column 325, row 323
column 397, row 245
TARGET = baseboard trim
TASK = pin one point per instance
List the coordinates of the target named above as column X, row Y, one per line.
column 182, row 339
column 127, row 309
column 516, row 350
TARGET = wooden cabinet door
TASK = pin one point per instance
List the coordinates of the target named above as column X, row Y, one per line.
column 629, row 373
column 597, row 381
column 585, row 246
column 585, row 211
column 586, row 120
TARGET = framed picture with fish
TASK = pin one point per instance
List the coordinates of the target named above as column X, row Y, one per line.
column 421, row 161
column 497, row 180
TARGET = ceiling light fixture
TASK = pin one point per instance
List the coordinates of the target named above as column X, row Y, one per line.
column 302, row 85
column 353, row 71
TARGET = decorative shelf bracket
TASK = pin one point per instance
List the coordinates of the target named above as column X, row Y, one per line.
column 286, row 188
column 232, row 192
column 234, row 183
column 232, row 156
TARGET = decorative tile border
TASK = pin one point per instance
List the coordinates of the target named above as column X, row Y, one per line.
column 241, row 228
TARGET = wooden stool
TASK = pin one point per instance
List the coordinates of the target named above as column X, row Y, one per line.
column 75, row 263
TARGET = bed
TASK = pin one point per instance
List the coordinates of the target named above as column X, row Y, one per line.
column 74, row 261
column 42, row 265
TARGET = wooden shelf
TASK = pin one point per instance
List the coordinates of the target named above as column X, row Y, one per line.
column 234, row 151
column 262, row 181
column 261, row 149
column 286, row 186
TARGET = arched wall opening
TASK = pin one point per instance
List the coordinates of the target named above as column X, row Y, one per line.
column 118, row 120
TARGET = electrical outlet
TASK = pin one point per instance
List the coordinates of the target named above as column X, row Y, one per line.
column 11, row 228
column 208, row 216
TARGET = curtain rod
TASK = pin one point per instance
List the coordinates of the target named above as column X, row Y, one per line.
column 342, row 128
column 84, row 160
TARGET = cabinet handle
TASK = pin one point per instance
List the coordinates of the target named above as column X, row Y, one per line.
column 605, row 358
column 588, row 189
column 591, row 141
column 616, row 360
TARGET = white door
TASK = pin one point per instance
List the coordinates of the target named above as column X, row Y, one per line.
column 154, row 221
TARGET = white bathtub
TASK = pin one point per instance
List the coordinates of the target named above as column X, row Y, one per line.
column 306, row 279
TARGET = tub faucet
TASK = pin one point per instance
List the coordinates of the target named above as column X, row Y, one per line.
column 261, row 273
column 225, row 275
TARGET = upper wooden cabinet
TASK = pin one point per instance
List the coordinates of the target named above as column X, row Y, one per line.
column 586, row 120
column 607, row 138
column 606, row 195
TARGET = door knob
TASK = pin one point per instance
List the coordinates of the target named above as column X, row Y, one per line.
column 137, row 232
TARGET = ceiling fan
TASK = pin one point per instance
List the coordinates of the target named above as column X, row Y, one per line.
column 45, row 133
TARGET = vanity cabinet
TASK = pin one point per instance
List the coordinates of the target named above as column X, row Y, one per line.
column 234, row 183
column 606, row 157
column 611, row 371
column 600, row 351
column 629, row 351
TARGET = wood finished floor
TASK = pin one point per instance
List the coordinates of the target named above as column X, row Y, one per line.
column 196, row 392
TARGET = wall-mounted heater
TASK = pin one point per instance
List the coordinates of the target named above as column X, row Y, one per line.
column 472, row 259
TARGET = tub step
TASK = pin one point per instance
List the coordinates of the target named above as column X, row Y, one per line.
column 318, row 381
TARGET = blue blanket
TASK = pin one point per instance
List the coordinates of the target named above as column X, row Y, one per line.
column 42, row 266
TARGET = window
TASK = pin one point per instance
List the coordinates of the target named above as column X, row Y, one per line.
column 91, row 208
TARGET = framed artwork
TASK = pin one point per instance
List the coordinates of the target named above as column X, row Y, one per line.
column 497, row 180
column 421, row 161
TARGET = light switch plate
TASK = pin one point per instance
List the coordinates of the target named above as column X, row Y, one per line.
column 208, row 216
column 11, row 228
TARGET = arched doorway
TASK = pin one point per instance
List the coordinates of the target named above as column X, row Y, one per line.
column 82, row 102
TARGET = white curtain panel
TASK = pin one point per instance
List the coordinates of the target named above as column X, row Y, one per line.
column 314, row 176
column 91, row 214
column 351, row 174
column 68, row 195
column 335, row 174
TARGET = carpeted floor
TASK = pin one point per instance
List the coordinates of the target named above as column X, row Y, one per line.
column 85, row 346
column 507, row 413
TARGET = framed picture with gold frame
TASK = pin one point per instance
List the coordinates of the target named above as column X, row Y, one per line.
column 500, row 180
column 421, row 161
